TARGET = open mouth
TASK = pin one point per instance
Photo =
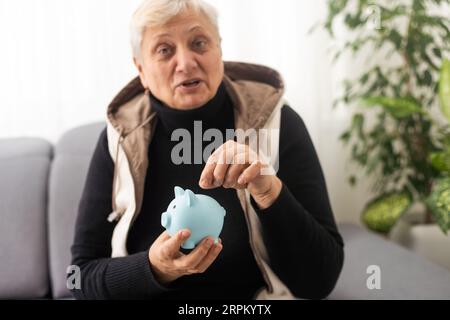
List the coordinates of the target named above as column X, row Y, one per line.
column 190, row 84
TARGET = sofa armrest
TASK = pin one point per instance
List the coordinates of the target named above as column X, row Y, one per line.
column 24, row 168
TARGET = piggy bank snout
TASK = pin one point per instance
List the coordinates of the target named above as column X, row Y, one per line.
column 165, row 220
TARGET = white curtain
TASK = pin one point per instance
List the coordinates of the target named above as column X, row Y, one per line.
column 61, row 63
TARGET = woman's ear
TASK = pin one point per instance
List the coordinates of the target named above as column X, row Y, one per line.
column 141, row 72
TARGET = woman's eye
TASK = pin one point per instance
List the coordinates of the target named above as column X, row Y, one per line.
column 200, row 44
column 164, row 51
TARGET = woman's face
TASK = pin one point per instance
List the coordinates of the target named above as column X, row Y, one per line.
column 182, row 61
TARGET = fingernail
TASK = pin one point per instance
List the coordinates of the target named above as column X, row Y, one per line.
column 241, row 180
column 184, row 233
column 218, row 183
column 208, row 242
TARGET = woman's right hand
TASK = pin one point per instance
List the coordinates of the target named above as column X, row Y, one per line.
column 169, row 264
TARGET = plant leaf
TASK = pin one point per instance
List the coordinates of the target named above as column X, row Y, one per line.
column 444, row 88
column 439, row 203
column 441, row 160
column 398, row 107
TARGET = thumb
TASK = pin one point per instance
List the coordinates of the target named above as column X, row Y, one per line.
column 175, row 242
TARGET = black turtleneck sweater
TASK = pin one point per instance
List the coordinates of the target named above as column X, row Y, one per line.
column 299, row 231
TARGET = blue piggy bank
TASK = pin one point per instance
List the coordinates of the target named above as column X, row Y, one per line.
column 199, row 213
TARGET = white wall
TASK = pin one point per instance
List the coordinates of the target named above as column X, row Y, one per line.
column 61, row 62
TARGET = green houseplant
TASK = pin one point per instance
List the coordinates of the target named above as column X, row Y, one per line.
column 405, row 93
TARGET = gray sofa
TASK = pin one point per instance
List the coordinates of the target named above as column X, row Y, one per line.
column 39, row 192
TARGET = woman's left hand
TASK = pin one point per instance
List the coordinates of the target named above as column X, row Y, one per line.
column 235, row 165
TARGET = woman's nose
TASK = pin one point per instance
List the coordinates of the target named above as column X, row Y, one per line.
column 186, row 61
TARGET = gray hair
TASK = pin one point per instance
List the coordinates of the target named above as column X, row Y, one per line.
column 159, row 12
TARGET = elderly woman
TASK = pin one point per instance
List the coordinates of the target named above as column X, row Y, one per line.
column 279, row 238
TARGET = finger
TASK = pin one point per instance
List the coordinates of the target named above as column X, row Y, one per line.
column 172, row 246
column 212, row 255
column 251, row 173
column 163, row 237
column 221, row 169
column 223, row 155
column 191, row 260
column 207, row 176
column 234, row 171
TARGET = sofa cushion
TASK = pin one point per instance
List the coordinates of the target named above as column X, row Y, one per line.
column 72, row 157
column 24, row 168
column 403, row 274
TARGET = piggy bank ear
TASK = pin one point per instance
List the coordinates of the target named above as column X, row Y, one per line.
column 190, row 198
column 178, row 192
